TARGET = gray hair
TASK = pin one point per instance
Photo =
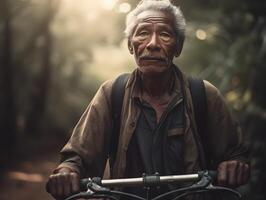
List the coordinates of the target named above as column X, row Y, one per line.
column 157, row 5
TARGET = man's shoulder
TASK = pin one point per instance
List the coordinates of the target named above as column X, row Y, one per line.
column 215, row 99
column 211, row 90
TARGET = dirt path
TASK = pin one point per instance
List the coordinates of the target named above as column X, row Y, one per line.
column 26, row 179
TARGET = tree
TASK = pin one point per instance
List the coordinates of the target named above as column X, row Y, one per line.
column 40, row 90
column 7, row 100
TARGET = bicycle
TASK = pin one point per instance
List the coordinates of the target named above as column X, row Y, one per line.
column 202, row 183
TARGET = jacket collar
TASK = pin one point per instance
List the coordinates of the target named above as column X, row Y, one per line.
column 135, row 84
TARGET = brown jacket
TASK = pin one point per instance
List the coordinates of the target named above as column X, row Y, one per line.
column 87, row 150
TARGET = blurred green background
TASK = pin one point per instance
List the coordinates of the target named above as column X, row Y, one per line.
column 54, row 54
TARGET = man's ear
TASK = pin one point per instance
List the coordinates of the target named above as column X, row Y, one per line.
column 179, row 47
column 130, row 47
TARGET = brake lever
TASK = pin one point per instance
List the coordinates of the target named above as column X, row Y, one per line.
column 204, row 182
column 93, row 190
column 89, row 192
column 96, row 188
column 233, row 192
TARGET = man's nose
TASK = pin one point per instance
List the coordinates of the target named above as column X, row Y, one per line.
column 153, row 43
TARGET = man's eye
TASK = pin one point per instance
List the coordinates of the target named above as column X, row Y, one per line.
column 165, row 36
column 143, row 33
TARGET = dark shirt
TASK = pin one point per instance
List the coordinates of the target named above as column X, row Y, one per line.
column 153, row 148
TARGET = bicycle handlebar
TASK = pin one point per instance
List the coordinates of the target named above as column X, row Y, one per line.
column 146, row 180
column 202, row 182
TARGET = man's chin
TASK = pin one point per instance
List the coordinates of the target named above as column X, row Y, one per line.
column 153, row 70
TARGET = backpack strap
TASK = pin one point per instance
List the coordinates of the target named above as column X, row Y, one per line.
column 117, row 96
column 198, row 94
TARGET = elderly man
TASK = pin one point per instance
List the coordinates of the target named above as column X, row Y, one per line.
column 157, row 126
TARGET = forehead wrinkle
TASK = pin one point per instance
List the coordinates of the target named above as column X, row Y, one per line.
column 149, row 15
column 159, row 24
column 153, row 18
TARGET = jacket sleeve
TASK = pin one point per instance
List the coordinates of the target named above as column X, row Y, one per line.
column 224, row 133
column 87, row 149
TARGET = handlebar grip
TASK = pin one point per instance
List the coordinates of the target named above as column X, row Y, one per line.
column 84, row 182
column 210, row 173
column 97, row 180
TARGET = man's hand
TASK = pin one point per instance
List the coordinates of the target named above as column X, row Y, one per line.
column 63, row 183
column 233, row 173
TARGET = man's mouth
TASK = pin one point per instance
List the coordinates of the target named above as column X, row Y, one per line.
column 152, row 58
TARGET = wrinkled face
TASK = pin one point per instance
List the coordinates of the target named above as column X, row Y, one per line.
column 153, row 41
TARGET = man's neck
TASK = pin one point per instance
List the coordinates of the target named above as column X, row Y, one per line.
column 157, row 85
column 156, row 90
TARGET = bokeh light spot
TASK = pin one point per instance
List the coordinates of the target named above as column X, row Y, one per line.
column 108, row 4
column 124, row 7
column 201, row 34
